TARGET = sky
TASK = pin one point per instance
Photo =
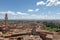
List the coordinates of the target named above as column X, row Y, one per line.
column 30, row 9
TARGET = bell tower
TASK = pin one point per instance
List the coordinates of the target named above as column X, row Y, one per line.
column 5, row 29
column 6, row 20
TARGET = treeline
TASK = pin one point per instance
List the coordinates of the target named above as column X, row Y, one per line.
column 52, row 25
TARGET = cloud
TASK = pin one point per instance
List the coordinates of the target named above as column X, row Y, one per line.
column 14, row 13
column 33, row 10
column 58, row 2
column 49, row 3
column 30, row 10
column 21, row 13
column 41, row 3
column 8, row 12
column 52, row 2
column 36, row 10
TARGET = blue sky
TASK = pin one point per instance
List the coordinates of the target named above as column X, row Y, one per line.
column 30, row 9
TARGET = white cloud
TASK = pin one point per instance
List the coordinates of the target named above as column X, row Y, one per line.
column 52, row 2
column 30, row 10
column 41, row 3
column 58, row 2
column 37, row 10
column 14, row 13
column 21, row 13
column 8, row 12
column 33, row 10
column 49, row 3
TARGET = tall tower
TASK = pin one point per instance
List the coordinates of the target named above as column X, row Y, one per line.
column 6, row 20
column 5, row 29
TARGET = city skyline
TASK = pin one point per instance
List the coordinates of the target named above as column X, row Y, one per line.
column 30, row 9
